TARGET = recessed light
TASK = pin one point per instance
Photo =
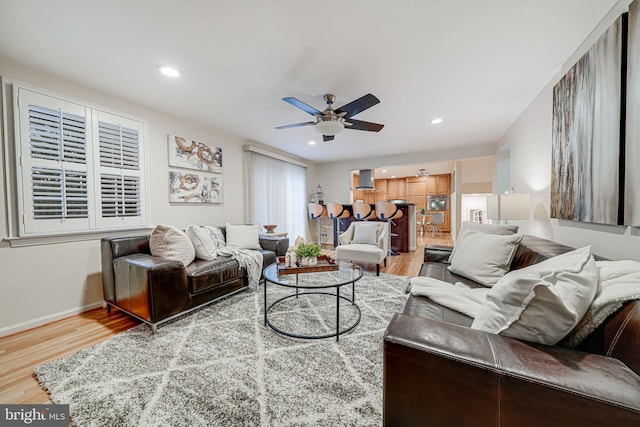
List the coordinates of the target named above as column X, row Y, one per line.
column 436, row 121
column 384, row 171
column 169, row 71
column 311, row 143
column 393, row 176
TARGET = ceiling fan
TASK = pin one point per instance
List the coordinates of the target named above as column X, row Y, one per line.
column 331, row 122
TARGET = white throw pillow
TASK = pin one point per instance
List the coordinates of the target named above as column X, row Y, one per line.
column 503, row 230
column 203, row 242
column 365, row 232
column 543, row 302
column 484, row 257
column 243, row 236
column 169, row 242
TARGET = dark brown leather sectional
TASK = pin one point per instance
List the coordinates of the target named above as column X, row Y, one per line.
column 155, row 289
column 440, row 372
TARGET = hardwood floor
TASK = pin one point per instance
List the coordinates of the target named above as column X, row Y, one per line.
column 21, row 352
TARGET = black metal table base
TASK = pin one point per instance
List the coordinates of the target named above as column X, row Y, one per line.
column 314, row 337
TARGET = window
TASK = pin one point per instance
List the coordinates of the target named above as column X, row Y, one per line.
column 78, row 168
column 277, row 193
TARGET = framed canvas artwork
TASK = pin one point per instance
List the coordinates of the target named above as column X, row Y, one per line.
column 585, row 170
column 195, row 188
column 190, row 154
column 632, row 139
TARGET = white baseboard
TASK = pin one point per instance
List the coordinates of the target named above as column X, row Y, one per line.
column 48, row 319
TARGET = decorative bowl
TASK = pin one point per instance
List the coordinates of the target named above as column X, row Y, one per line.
column 269, row 227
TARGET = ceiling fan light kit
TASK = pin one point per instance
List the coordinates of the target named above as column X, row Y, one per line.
column 331, row 122
column 329, row 126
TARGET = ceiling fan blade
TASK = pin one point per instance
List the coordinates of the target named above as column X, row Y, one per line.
column 296, row 125
column 327, row 138
column 301, row 105
column 360, row 125
column 358, row 106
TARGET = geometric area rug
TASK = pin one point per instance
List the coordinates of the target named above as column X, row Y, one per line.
column 220, row 366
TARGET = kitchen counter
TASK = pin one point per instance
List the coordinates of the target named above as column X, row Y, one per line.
column 404, row 227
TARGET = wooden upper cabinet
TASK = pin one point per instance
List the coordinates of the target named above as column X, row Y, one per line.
column 380, row 186
column 431, row 184
column 396, row 188
column 416, row 189
column 357, row 194
column 443, row 184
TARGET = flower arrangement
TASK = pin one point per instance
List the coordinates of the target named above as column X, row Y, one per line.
column 308, row 250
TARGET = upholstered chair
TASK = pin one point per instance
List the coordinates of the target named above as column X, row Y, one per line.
column 364, row 241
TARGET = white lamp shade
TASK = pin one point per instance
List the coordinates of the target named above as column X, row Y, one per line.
column 508, row 206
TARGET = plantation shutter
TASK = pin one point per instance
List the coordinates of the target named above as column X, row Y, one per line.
column 119, row 165
column 55, row 185
column 78, row 168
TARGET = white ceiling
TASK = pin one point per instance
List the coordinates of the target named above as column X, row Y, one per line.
column 477, row 64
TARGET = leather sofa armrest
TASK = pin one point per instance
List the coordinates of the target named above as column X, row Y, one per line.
column 437, row 253
column 150, row 287
column 279, row 245
column 438, row 373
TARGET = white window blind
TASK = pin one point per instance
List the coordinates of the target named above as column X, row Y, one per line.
column 277, row 190
column 79, row 168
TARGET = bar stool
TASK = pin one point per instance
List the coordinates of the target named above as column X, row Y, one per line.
column 316, row 211
column 363, row 211
column 388, row 211
column 337, row 211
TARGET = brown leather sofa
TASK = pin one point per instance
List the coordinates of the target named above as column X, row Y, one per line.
column 440, row 372
column 155, row 289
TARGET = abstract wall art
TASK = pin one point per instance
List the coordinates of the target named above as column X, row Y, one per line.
column 586, row 134
column 190, row 154
column 195, row 188
column 632, row 139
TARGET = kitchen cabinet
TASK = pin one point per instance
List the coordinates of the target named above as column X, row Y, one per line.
column 357, row 194
column 443, row 184
column 432, row 187
column 381, row 186
column 396, row 188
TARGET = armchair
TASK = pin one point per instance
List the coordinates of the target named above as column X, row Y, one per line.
column 364, row 242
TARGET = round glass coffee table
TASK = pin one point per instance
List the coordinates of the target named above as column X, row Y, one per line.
column 319, row 280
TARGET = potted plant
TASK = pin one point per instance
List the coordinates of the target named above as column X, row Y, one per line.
column 308, row 253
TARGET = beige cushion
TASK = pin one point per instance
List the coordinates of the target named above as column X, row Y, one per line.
column 543, row 302
column 243, row 236
column 365, row 232
column 203, row 242
column 360, row 252
column 467, row 226
column 484, row 257
column 169, row 242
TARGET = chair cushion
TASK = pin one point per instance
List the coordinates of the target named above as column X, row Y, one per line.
column 360, row 252
column 543, row 302
column 366, row 233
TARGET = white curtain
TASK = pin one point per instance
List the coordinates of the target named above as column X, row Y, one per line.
column 277, row 193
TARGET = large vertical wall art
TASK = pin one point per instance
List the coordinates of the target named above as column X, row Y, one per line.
column 632, row 140
column 585, row 180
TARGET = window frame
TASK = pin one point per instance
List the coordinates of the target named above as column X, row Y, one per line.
column 18, row 161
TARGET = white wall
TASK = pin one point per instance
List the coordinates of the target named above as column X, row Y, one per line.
column 40, row 283
column 529, row 142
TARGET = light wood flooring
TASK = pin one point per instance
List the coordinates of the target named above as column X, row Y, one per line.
column 21, row 352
